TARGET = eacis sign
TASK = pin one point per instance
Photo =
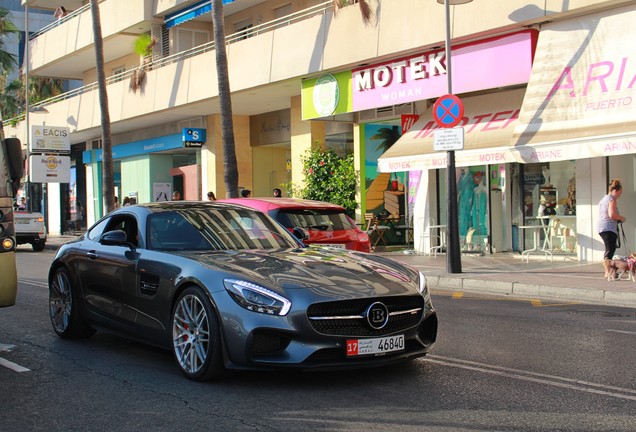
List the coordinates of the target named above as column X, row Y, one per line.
column 50, row 139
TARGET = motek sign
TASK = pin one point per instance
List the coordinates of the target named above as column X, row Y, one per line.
column 496, row 62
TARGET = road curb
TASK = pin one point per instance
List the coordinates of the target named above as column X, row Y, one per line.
column 541, row 292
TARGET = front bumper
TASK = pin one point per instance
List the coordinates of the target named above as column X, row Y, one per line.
column 304, row 349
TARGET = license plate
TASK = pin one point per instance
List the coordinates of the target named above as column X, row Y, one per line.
column 375, row 346
column 331, row 245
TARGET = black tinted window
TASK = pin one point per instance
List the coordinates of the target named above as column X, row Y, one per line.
column 323, row 220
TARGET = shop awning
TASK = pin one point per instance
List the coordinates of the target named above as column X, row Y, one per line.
column 489, row 121
column 580, row 98
column 190, row 13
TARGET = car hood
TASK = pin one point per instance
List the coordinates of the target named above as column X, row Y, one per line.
column 329, row 271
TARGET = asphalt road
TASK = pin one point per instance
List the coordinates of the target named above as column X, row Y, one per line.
column 499, row 365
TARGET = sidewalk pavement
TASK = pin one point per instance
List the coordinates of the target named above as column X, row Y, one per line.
column 563, row 279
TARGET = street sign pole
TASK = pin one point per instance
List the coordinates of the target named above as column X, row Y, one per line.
column 453, row 257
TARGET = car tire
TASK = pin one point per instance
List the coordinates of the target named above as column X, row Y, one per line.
column 38, row 246
column 196, row 337
column 64, row 311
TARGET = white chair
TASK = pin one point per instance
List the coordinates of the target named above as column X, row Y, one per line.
column 427, row 233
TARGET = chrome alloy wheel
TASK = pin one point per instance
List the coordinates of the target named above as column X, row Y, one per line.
column 60, row 302
column 191, row 333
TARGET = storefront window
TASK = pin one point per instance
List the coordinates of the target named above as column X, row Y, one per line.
column 549, row 189
column 472, row 196
column 549, row 200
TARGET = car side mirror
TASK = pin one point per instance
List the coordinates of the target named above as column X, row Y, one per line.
column 300, row 233
column 115, row 238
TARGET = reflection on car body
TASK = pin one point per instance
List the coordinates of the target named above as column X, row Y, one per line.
column 227, row 287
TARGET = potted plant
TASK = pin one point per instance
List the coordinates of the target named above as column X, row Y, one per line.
column 143, row 46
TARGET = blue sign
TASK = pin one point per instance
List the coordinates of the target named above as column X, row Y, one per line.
column 193, row 137
column 448, row 111
column 152, row 145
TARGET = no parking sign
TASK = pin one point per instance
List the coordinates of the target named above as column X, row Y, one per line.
column 448, row 111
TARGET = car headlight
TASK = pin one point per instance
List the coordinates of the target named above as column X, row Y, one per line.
column 423, row 287
column 255, row 298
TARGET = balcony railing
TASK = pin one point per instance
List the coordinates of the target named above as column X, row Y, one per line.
column 158, row 62
column 60, row 21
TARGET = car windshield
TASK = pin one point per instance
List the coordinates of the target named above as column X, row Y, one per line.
column 323, row 220
column 215, row 229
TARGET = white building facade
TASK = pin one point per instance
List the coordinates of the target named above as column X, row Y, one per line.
column 547, row 90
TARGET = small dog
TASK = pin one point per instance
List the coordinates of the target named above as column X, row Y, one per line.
column 624, row 266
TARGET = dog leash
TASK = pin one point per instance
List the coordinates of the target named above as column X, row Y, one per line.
column 622, row 235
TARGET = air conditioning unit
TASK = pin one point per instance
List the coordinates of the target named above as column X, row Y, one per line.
column 386, row 113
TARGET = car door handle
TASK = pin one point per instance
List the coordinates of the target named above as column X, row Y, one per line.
column 92, row 254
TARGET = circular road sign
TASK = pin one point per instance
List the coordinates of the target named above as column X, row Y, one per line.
column 448, row 111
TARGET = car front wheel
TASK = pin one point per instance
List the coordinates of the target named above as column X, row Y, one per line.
column 64, row 307
column 196, row 338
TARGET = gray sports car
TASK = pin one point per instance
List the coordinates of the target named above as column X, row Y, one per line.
column 226, row 287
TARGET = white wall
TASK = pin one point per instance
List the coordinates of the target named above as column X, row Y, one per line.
column 53, row 213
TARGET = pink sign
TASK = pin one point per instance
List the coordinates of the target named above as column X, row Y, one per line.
column 496, row 62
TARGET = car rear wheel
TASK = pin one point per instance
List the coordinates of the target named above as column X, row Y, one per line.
column 63, row 307
column 196, row 338
column 38, row 246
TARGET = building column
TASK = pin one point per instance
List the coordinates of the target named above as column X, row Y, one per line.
column 212, row 156
column 303, row 135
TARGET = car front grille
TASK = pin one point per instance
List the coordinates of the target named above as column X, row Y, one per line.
column 348, row 317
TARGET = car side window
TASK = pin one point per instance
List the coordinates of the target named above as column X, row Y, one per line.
column 127, row 224
column 97, row 230
column 171, row 231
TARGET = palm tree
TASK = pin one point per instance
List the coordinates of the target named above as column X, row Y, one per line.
column 230, row 174
column 43, row 88
column 12, row 99
column 365, row 9
column 143, row 46
column 108, row 183
column 7, row 60
column 389, row 136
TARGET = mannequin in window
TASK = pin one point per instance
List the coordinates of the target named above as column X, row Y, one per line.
column 480, row 199
column 546, row 177
column 465, row 186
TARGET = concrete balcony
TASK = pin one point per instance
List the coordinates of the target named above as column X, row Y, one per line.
column 266, row 68
column 65, row 48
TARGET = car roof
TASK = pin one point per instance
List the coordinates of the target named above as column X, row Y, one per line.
column 266, row 204
column 159, row 206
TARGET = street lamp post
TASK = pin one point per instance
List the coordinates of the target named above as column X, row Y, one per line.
column 453, row 257
column 28, row 109
column 27, row 185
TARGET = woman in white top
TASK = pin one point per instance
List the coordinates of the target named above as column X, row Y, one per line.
column 608, row 220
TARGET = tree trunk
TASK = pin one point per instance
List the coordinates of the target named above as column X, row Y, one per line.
column 108, row 183
column 230, row 174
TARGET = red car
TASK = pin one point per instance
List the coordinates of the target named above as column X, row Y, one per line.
column 323, row 223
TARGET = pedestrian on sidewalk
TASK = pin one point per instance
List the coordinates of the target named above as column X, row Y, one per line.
column 608, row 221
